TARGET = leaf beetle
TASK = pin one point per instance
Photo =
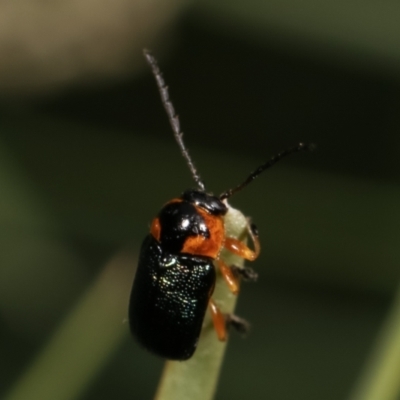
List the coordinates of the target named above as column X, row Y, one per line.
column 176, row 272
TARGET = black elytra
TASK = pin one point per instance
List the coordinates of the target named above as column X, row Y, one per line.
column 176, row 276
column 169, row 298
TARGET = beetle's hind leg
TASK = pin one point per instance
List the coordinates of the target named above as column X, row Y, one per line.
column 218, row 320
column 223, row 322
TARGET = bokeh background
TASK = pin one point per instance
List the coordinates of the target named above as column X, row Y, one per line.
column 87, row 158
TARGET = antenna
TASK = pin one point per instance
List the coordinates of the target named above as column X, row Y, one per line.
column 172, row 116
column 262, row 168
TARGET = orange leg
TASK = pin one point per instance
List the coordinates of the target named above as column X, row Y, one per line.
column 230, row 278
column 218, row 321
column 237, row 247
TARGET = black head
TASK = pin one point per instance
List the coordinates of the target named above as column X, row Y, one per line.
column 211, row 203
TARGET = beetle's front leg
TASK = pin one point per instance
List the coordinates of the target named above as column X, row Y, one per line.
column 237, row 247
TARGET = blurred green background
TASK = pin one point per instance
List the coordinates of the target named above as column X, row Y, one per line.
column 87, row 158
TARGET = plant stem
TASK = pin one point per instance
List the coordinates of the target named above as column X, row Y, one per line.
column 196, row 379
column 381, row 376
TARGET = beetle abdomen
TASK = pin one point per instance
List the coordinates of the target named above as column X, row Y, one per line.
column 169, row 298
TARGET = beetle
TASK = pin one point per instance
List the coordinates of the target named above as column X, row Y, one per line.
column 176, row 272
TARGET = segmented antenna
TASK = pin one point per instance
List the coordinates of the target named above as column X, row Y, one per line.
column 172, row 116
column 262, row 168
